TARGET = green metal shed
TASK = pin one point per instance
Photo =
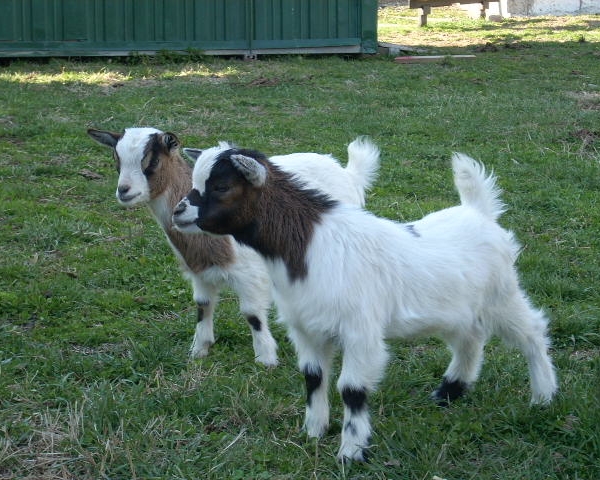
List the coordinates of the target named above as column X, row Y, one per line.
column 215, row 27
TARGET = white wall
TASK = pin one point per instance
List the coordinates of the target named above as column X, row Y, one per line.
column 520, row 8
column 551, row 7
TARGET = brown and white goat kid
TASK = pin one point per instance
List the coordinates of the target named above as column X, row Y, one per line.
column 344, row 278
column 153, row 172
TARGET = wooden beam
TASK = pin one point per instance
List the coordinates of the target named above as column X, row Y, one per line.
column 440, row 3
column 428, row 58
column 425, row 6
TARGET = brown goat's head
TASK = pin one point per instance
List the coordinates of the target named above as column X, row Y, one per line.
column 141, row 155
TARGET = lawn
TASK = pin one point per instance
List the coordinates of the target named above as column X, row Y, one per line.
column 96, row 321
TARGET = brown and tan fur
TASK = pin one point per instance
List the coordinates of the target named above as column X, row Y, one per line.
column 160, row 178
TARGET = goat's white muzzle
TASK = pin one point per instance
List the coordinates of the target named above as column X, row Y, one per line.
column 127, row 198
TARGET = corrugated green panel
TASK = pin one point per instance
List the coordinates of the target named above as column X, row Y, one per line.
column 101, row 27
column 151, row 22
column 307, row 23
column 9, row 25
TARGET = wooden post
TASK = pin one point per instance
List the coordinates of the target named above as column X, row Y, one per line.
column 423, row 12
column 485, row 6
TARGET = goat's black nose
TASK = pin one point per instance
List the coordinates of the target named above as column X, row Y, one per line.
column 180, row 208
column 123, row 188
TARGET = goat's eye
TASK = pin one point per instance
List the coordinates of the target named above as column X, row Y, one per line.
column 221, row 188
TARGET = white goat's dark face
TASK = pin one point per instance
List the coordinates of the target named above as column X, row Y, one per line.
column 185, row 214
column 223, row 193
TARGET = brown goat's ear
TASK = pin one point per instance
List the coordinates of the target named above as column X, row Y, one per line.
column 104, row 137
column 170, row 141
column 193, row 153
column 252, row 170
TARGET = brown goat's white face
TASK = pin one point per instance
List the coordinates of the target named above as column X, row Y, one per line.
column 133, row 164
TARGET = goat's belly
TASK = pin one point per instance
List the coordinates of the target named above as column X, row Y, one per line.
column 413, row 327
column 431, row 318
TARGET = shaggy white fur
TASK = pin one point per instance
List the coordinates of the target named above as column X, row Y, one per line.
column 450, row 274
column 238, row 266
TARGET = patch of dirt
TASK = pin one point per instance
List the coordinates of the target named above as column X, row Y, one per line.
column 586, row 136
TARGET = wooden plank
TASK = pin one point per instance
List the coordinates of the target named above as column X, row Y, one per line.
column 439, row 3
column 428, row 58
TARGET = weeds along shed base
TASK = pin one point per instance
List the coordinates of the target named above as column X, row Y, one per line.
column 37, row 28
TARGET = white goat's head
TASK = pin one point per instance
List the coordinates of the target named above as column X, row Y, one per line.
column 139, row 154
column 226, row 181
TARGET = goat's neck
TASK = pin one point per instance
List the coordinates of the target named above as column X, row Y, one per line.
column 196, row 252
column 163, row 205
column 284, row 223
column 168, row 186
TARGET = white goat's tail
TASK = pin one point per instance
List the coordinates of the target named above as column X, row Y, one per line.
column 363, row 162
column 475, row 188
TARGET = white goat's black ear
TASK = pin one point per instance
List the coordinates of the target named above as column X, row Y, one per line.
column 193, row 153
column 170, row 140
column 252, row 170
column 104, row 137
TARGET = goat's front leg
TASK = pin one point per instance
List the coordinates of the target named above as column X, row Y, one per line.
column 204, row 336
column 206, row 299
column 363, row 366
column 314, row 360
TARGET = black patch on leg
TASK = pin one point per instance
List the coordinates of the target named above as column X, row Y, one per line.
column 255, row 323
column 313, row 381
column 350, row 428
column 449, row 391
column 200, row 312
column 354, row 398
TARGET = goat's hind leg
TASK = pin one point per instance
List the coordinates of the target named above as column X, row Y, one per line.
column 464, row 368
column 525, row 327
column 256, row 311
column 206, row 296
column 253, row 286
column 265, row 346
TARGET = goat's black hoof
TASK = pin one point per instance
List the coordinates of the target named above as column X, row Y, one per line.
column 449, row 391
column 364, row 457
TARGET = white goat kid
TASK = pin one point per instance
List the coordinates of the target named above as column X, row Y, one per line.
column 152, row 172
column 344, row 278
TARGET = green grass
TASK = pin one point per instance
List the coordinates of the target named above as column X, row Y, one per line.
column 95, row 320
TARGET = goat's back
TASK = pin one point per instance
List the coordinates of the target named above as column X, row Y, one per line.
column 324, row 173
column 366, row 271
